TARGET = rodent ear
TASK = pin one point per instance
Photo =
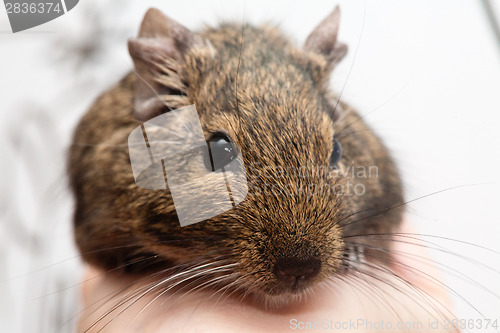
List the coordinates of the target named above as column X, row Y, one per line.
column 155, row 24
column 323, row 39
column 161, row 44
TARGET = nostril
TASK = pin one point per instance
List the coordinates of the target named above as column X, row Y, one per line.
column 293, row 269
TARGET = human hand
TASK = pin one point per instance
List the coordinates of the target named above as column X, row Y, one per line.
column 404, row 297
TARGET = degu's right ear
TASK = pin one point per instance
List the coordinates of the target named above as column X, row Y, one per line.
column 161, row 41
column 323, row 39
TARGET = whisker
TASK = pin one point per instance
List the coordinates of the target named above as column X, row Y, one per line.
column 141, row 294
column 199, row 275
column 428, row 276
column 361, row 117
column 82, row 254
column 422, row 293
column 387, row 209
column 373, row 289
column 434, row 246
column 114, row 294
column 409, row 235
column 353, row 60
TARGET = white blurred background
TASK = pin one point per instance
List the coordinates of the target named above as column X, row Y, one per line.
column 425, row 73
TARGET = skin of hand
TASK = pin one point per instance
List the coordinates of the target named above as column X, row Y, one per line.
column 410, row 298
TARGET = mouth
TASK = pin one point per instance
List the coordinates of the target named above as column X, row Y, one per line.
column 278, row 298
column 286, row 293
column 296, row 273
column 290, row 280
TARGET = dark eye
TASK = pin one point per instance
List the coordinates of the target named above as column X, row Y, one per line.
column 336, row 153
column 222, row 151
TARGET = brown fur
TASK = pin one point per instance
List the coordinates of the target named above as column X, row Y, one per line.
column 282, row 115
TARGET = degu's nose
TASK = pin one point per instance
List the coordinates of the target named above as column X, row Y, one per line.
column 296, row 271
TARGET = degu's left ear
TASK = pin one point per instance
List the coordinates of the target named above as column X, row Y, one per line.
column 161, row 41
column 323, row 39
